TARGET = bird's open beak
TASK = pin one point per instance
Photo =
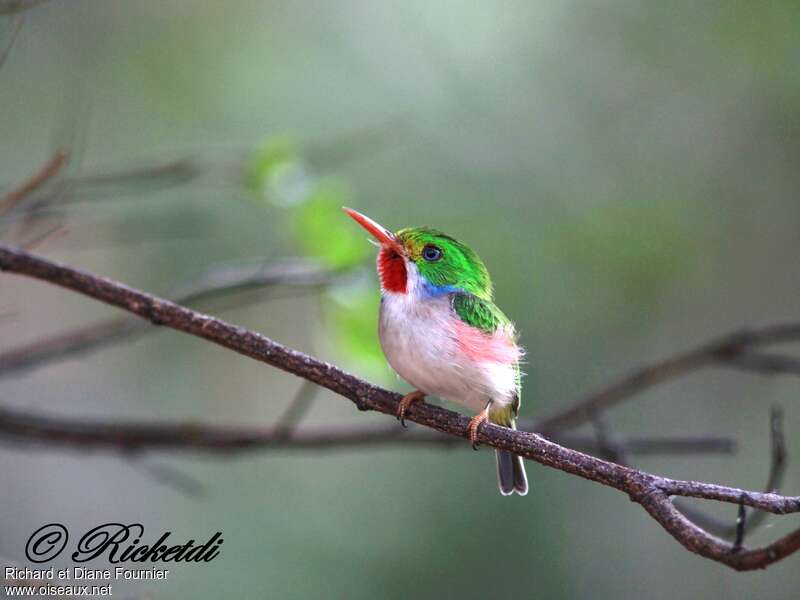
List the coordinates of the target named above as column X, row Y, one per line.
column 379, row 232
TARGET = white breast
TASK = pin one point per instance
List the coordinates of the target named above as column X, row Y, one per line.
column 419, row 342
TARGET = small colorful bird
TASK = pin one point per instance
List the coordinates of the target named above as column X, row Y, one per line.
column 441, row 332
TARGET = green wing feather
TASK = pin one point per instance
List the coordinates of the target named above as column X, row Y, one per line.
column 484, row 315
column 479, row 313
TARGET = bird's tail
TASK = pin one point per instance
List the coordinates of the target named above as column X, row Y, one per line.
column 511, row 475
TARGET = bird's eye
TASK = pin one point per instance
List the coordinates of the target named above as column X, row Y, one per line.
column 431, row 253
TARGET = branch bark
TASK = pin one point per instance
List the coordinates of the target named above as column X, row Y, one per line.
column 652, row 492
column 218, row 281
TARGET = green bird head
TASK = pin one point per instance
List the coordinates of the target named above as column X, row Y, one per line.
column 441, row 264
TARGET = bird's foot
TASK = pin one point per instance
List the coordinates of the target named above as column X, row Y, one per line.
column 474, row 425
column 407, row 400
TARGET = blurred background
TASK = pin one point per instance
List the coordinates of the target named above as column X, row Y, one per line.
column 627, row 170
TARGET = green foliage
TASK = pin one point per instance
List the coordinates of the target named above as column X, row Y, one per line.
column 313, row 208
column 276, row 172
column 352, row 315
column 323, row 231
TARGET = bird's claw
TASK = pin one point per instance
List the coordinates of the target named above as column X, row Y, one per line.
column 407, row 400
column 474, row 426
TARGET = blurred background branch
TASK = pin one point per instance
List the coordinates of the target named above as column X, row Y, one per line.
column 10, row 7
column 16, row 27
column 118, row 436
column 736, row 350
column 21, row 192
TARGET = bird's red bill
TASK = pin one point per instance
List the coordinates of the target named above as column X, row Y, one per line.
column 379, row 232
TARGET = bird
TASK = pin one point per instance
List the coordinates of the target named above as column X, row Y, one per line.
column 441, row 331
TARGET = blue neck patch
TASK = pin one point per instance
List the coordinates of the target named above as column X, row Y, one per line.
column 430, row 290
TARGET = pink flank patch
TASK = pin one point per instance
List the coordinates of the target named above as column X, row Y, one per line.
column 479, row 346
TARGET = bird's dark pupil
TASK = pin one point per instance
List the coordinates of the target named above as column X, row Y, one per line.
column 431, row 253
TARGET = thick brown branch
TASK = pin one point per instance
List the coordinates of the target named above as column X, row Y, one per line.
column 217, row 281
column 651, row 491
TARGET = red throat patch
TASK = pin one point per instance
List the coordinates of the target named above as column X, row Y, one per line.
column 392, row 271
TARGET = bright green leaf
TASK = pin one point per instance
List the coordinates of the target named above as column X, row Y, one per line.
column 277, row 174
column 325, row 232
column 352, row 316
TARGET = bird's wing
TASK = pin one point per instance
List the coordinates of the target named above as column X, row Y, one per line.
column 479, row 313
column 498, row 332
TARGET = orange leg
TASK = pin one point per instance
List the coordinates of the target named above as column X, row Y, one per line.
column 407, row 400
column 474, row 425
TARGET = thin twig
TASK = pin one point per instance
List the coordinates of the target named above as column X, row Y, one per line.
column 607, row 448
column 610, row 450
column 323, row 154
column 652, row 492
column 171, row 477
column 732, row 350
column 297, row 410
column 47, row 171
column 168, row 173
column 776, row 473
column 9, row 7
column 741, row 524
column 15, row 29
column 765, row 364
column 43, row 236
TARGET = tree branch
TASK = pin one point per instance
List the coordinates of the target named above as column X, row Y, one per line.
column 745, row 522
column 735, row 350
column 218, row 281
column 82, row 434
column 652, row 492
